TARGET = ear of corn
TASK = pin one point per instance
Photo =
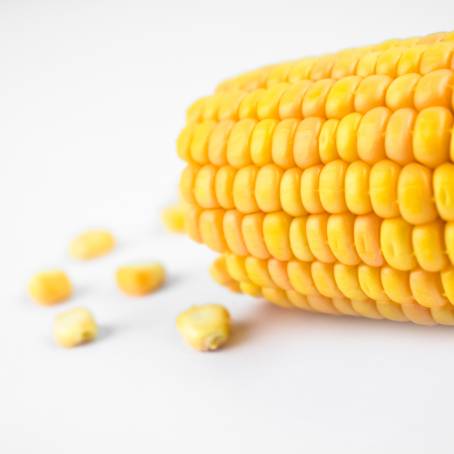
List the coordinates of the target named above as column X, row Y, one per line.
column 327, row 183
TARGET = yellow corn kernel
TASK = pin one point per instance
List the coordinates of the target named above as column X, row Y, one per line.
column 91, row 244
column 331, row 186
column 346, row 63
column 340, row 100
column 396, row 285
column 268, row 104
column 447, row 281
column 252, row 229
column 211, row 229
column 322, row 67
column 388, row 60
column 367, row 239
column 367, row 309
column 437, row 56
column 298, row 240
column 282, row 143
column 366, row 64
column 432, row 135
column 187, row 182
column 316, row 232
column 371, row 135
column 301, row 70
column 356, row 188
column 323, row 304
column 243, row 189
column 401, row 92
column 300, row 276
column 443, row 181
column 184, row 142
column 309, row 189
column 173, row 218
column 223, row 186
column 370, row 282
column 344, row 306
column 371, row 92
column 409, row 60
column 434, row 89
column 191, row 223
column 399, row 136
column 205, row 327
column 346, row 137
column 305, row 142
column 238, row 154
column 74, row 327
column 204, row 187
column 315, row 98
column 414, row 193
column 429, row 247
column 267, row 188
column 443, row 315
column 250, row 289
column 276, row 296
column 140, row 280
column 391, row 311
column 347, row 281
column 257, row 271
column 236, row 267
column 231, row 225
column 418, row 314
column 278, row 273
column 396, row 244
column 249, row 104
column 218, row 271
column 298, row 300
column 290, row 104
column 217, row 144
column 276, row 228
column 229, row 105
column 324, row 280
column 289, row 192
column 261, row 140
column 383, row 181
column 50, row 287
column 327, row 141
column 199, row 142
column 449, row 240
column 340, row 238
column 427, row 289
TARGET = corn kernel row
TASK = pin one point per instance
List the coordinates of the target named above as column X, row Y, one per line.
column 357, row 283
column 332, row 99
column 403, row 136
column 393, row 58
column 343, row 238
column 274, row 281
column 414, row 192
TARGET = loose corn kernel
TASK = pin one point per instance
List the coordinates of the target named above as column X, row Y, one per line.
column 173, row 218
column 91, row 244
column 50, row 287
column 205, row 327
column 139, row 280
column 74, row 327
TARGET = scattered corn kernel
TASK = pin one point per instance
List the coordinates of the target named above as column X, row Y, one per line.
column 91, row 244
column 74, row 327
column 50, row 287
column 173, row 218
column 139, row 280
column 205, row 327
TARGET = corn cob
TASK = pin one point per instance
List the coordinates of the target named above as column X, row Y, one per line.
column 327, row 183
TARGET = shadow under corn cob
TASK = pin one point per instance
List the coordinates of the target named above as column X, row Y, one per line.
column 327, row 183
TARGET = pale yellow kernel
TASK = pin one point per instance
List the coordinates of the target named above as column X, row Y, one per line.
column 91, row 244
column 173, row 218
column 74, row 327
column 205, row 327
column 139, row 280
column 50, row 287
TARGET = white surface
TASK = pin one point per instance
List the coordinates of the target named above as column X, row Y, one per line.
column 92, row 96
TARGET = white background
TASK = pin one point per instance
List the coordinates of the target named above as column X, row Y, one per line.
column 92, row 96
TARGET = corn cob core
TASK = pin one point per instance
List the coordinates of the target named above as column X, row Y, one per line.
column 328, row 183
